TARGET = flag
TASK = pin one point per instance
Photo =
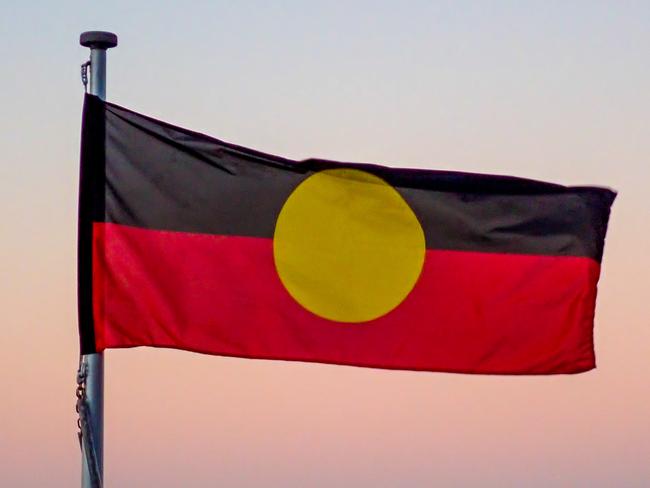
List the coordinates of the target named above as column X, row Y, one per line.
column 192, row 243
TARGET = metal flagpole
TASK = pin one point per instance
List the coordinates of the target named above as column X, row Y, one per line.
column 92, row 365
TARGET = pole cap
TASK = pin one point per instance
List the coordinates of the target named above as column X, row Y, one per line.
column 98, row 39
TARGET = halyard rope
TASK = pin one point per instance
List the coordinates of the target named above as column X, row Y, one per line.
column 86, row 438
column 84, row 75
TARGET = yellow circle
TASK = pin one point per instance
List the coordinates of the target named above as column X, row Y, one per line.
column 347, row 247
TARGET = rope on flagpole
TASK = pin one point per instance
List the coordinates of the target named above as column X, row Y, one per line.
column 85, row 427
column 84, row 75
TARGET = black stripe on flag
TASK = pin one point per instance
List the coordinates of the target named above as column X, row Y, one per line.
column 159, row 176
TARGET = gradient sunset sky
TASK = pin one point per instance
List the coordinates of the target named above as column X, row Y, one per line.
column 551, row 90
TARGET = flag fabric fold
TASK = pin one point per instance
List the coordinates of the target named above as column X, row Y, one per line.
column 192, row 243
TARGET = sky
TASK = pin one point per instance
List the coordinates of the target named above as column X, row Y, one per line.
column 551, row 90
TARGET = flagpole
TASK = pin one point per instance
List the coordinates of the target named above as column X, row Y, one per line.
column 98, row 42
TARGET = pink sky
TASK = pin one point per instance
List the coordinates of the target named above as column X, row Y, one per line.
column 553, row 91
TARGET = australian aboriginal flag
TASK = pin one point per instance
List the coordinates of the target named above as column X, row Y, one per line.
column 192, row 243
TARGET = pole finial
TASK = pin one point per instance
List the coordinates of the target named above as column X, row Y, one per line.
column 98, row 39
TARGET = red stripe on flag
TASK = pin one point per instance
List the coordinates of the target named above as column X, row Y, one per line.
column 469, row 312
